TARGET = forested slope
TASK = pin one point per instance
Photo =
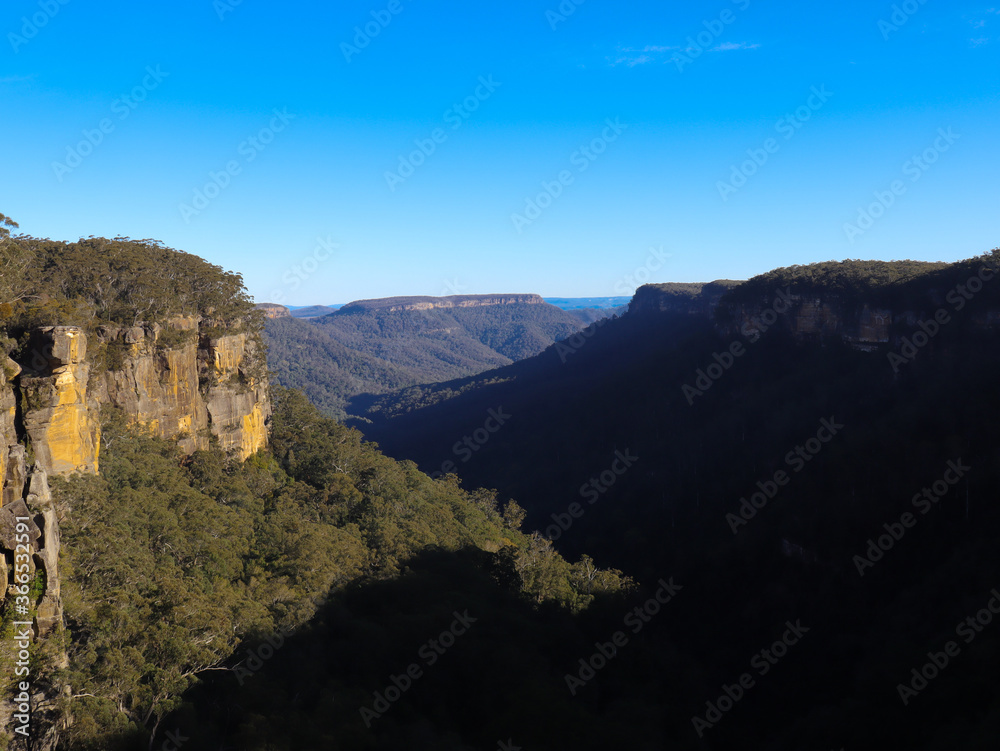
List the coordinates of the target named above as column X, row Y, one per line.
column 374, row 347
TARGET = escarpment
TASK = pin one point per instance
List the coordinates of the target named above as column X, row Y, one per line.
column 187, row 385
column 169, row 342
column 866, row 304
column 175, row 380
column 864, row 326
column 184, row 381
column 680, row 297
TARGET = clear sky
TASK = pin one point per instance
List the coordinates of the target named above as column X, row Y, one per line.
column 722, row 160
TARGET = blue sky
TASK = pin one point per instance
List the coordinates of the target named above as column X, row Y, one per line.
column 722, row 160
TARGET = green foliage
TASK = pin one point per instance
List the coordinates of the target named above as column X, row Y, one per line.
column 108, row 356
column 171, row 564
column 850, row 278
column 5, row 222
column 15, row 260
column 120, row 280
column 171, row 338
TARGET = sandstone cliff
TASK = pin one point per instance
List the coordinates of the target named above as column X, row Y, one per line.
column 273, row 310
column 679, row 297
column 187, row 381
column 864, row 325
column 865, row 304
column 177, row 381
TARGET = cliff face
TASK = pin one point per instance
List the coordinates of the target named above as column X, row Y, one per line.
column 273, row 310
column 690, row 299
column 179, row 383
column 863, row 325
column 59, row 419
column 865, row 322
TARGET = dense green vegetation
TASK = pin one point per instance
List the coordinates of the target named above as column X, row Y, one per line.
column 304, row 356
column 123, row 281
column 171, row 563
column 849, row 279
column 365, row 348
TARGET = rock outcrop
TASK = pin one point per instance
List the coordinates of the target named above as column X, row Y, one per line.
column 8, row 435
column 188, row 381
column 695, row 298
column 865, row 326
column 196, row 387
column 273, row 310
column 174, row 380
column 62, row 424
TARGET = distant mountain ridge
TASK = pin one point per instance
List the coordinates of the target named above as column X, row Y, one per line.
column 563, row 303
column 314, row 311
column 370, row 347
column 396, row 304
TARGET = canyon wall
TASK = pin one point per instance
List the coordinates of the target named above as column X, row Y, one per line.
column 695, row 298
column 178, row 382
column 864, row 325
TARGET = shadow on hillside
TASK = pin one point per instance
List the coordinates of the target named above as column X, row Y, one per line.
column 473, row 663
